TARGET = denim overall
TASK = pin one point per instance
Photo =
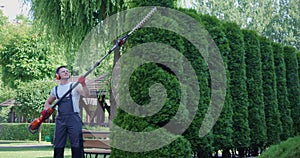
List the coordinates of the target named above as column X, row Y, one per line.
column 68, row 123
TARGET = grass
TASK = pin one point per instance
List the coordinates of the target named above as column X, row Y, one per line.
column 28, row 149
column 16, row 142
column 33, row 149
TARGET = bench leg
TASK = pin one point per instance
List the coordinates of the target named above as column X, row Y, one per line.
column 86, row 155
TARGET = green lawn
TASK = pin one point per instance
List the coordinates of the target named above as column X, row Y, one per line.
column 29, row 149
column 20, row 149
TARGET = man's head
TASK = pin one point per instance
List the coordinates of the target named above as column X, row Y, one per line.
column 62, row 72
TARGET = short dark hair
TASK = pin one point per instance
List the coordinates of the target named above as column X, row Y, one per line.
column 57, row 70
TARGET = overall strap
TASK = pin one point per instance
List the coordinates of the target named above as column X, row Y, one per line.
column 70, row 94
column 56, row 92
column 66, row 105
column 71, row 98
column 56, row 87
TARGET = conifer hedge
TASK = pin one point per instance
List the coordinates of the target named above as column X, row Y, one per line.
column 257, row 100
column 140, row 84
column 238, row 87
column 257, row 124
column 270, row 92
column 293, row 86
column 223, row 129
column 282, row 94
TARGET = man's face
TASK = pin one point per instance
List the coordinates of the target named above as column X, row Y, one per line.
column 64, row 73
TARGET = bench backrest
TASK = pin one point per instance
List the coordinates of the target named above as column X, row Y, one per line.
column 96, row 139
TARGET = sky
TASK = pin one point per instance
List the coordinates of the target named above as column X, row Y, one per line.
column 12, row 8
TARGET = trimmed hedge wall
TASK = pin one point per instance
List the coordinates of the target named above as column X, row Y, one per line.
column 293, row 85
column 270, row 92
column 284, row 106
column 223, row 129
column 238, row 87
column 256, row 119
column 19, row 131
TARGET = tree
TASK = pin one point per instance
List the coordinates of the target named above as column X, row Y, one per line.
column 282, row 94
column 278, row 20
column 270, row 92
column 223, row 129
column 257, row 123
column 3, row 24
column 27, row 57
column 202, row 146
column 5, row 94
column 140, row 83
column 31, row 97
column 68, row 22
column 298, row 58
column 292, row 79
column 3, row 39
column 238, row 87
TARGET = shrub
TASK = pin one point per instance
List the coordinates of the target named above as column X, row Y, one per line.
column 19, row 131
column 286, row 149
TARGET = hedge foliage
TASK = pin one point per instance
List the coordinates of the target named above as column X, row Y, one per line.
column 238, row 88
column 140, row 85
column 284, row 106
column 253, row 110
column 270, row 92
column 19, row 131
column 31, row 102
column 293, row 85
column 223, row 129
column 257, row 123
column 286, row 149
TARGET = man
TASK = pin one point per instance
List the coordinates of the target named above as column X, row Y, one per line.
column 68, row 121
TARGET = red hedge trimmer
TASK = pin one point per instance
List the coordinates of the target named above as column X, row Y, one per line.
column 36, row 123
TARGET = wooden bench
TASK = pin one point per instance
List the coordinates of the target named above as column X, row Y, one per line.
column 96, row 143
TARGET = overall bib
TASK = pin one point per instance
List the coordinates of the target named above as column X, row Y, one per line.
column 68, row 123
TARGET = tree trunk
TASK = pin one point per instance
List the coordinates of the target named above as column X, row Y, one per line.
column 226, row 153
column 241, row 152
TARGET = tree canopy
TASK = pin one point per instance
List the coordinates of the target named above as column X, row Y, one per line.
column 67, row 22
column 278, row 20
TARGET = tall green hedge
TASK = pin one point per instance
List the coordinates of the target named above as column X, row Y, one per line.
column 238, row 87
column 293, row 87
column 201, row 146
column 282, row 94
column 223, row 129
column 142, row 79
column 251, row 116
column 270, row 92
column 179, row 148
column 257, row 123
column 298, row 59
